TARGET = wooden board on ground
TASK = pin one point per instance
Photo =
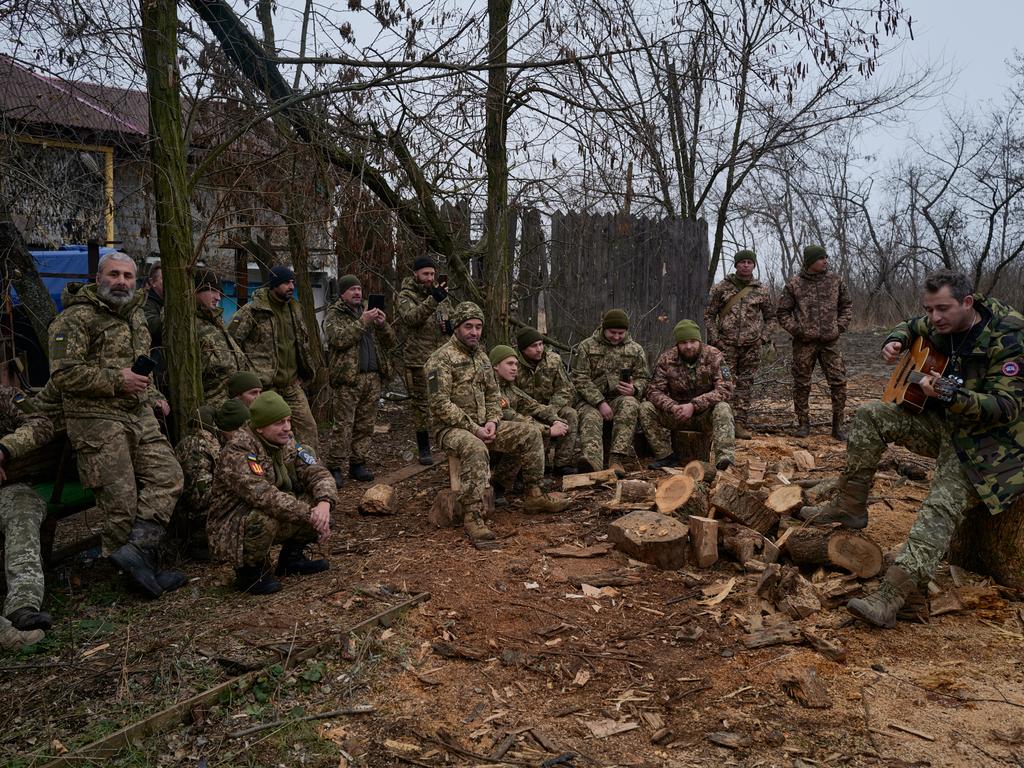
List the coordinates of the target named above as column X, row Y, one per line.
column 588, row 479
column 651, row 538
column 673, row 492
column 409, row 470
column 844, row 549
column 379, row 499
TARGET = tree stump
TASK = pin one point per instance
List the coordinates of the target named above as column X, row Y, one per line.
column 992, row 545
column 691, row 445
column 673, row 492
column 651, row 538
column 844, row 549
column 379, row 499
column 744, row 508
column 785, row 499
column 703, row 540
column 633, row 490
column 698, row 504
column 446, row 512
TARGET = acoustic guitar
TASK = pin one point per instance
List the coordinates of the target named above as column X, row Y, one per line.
column 922, row 359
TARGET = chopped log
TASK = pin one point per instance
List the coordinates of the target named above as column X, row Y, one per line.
column 785, row 499
column 379, row 499
column 830, row 650
column 778, row 634
column 703, row 540
column 673, row 492
column 699, row 504
column 851, row 551
column 744, row 508
column 804, row 460
column 651, row 538
column 446, row 512
column 689, row 445
column 770, row 553
column 804, row 686
column 633, row 490
column 695, row 469
column 756, row 469
column 822, row 491
column 739, row 541
column 588, row 479
column 992, row 545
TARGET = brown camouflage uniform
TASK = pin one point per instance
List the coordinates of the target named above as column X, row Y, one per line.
column 707, row 384
column 122, row 455
column 197, row 453
column 815, row 309
column 220, row 355
column 263, row 495
column 424, row 328
column 275, row 339
column 22, row 511
column 740, row 333
column 547, row 382
column 356, row 390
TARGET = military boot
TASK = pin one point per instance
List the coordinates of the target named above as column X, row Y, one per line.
column 256, row 580
column 564, row 470
column 137, row 558
column 741, row 431
column 803, row 428
column 667, row 461
column 883, row 605
column 617, row 463
column 423, row 444
column 476, row 529
column 535, row 501
column 849, row 508
column 171, row 580
column 293, row 561
column 27, row 618
column 339, row 478
column 498, row 489
column 837, row 426
column 12, row 639
column 358, row 471
column 724, row 462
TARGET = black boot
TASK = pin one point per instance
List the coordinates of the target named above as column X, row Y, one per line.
column 423, row 444
column 137, row 558
column 293, row 562
column 803, row 429
column 666, row 461
column 563, row 471
column 254, row 580
column 499, row 494
column 360, row 472
column 171, row 580
column 837, row 427
column 339, row 478
column 27, row 619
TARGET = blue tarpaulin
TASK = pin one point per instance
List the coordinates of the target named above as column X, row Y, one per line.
column 60, row 267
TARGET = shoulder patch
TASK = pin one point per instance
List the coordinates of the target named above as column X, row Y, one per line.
column 255, row 467
column 1011, row 368
column 19, row 397
column 725, row 373
column 305, row 454
column 433, row 385
column 60, row 337
column 251, row 457
column 504, row 402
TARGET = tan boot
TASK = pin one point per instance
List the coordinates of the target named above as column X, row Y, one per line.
column 617, row 463
column 883, row 605
column 12, row 639
column 535, row 501
column 849, row 508
column 741, row 431
column 476, row 529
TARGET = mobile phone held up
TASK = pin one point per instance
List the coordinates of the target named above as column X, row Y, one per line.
column 626, row 375
column 375, row 301
column 143, row 365
column 441, row 281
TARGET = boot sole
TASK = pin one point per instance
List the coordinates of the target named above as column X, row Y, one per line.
column 853, row 608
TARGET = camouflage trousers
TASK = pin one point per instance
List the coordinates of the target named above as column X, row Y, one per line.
column 416, row 386
column 828, row 356
column 660, row 429
column 261, row 531
column 874, row 426
column 626, row 410
column 743, row 362
column 22, row 511
column 567, row 446
column 520, row 446
column 355, row 413
column 131, row 469
column 303, row 423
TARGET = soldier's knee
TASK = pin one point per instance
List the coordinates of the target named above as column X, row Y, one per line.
column 629, row 406
column 722, row 411
column 873, row 411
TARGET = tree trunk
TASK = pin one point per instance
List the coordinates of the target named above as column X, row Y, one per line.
column 18, row 269
column 992, row 545
column 173, row 217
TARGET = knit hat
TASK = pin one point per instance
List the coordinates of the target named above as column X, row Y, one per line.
column 423, row 262
column 615, row 318
column 268, row 408
column 466, row 310
column 231, row 415
column 501, row 352
column 243, row 381
column 528, row 336
column 278, row 275
column 812, row 253
column 686, row 330
column 347, row 281
column 206, row 417
column 204, row 279
column 745, row 254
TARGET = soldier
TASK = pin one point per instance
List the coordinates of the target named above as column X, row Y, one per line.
column 611, row 376
column 465, row 409
column 422, row 309
column 974, row 434
column 110, row 421
column 690, row 391
column 154, row 310
column 516, row 405
column 815, row 309
column 244, row 386
column 269, row 490
column 22, row 511
column 220, row 355
column 738, row 318
column 542, row 376
column 273, row 335
column 359, row 346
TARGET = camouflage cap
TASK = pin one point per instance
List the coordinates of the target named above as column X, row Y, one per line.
column 466, row 310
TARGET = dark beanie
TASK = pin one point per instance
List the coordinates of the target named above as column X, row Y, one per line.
column 615, row 318
column 746, row 253
column 205, row 278
column 207, row 418
column 423, row 262
column 231, row 415
column 528, row 336
column 812, row 253
column 347, row 281
column 278, row 275
column 243, row 381
column 686, row 330
column 267, row 409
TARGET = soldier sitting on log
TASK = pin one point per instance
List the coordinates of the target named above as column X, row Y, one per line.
column 689, row 392
column 974, row 433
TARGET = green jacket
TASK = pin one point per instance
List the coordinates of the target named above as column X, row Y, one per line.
column 220, row 355
column 546, row 381
column 985, row 420
column 597, row 365
column 516, row 405
column 255, row 329
column 344, row 331
column 462, row 391
column 422, row 321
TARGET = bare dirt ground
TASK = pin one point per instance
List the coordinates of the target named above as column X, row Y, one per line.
column 509, row 662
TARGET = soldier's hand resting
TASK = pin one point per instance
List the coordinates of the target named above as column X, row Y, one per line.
column 320, row 519
column 133, row 383
column 683, row 412
column 606, row 411
column 487, row 432
column 559, row 429
column 891, row 352
column 626, row 388
column 164, row 407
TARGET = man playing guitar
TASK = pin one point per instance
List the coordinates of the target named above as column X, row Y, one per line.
column 972, row 429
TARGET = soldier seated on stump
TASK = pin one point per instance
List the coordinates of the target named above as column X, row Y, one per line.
column 975, row 434
column 244, row 387
column 269, row 490
column 689, row 392
column 465, row 408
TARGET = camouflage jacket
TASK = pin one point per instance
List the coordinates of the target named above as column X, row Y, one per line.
column 20, row 432
column 704, row 382
column 46, row 401
column 987, row 418
column 220, row 355
column 815, row 307
column 422, row 322
column 197, row 453
column 462, row 391
column 281, row 482
column 546, row 381
column 90, row 342
column 344, row 332
column 749, row 319
column 597, row 365
column 256, row 331
column 516, row 405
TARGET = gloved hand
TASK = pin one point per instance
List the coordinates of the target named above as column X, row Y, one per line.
column 439, row 293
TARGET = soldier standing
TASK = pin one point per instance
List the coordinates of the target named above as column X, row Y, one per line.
column 359, row 346
column 110, row 420
column 738, row 319
column 220, row 355
column 422, row 308
column 244, row 386
column 269, row 490
column 273, row 335
column 610, row 373
column 154, row 311
column 815, row 308
column 542, row 376
column 465, row 409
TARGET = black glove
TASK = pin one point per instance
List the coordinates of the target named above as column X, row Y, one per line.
column 439, row 293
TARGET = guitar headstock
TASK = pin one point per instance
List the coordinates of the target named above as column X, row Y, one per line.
column 946, row 387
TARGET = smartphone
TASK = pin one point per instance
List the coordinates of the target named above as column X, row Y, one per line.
column 375, row 301
column 143, row 365
column 626, row 375
column 441, row 280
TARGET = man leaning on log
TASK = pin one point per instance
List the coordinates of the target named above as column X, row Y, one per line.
column 976, row 438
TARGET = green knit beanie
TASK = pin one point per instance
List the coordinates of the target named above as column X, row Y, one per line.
column 501, row 352
column 243, row 381
column 615, row 318
column 206, row 417
column 746, row 253
column 528, row 336
column 268, row 408
column 686, row 330
column 347, row 281
column 812, row 253
column 466, row 310
column 231, row 415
